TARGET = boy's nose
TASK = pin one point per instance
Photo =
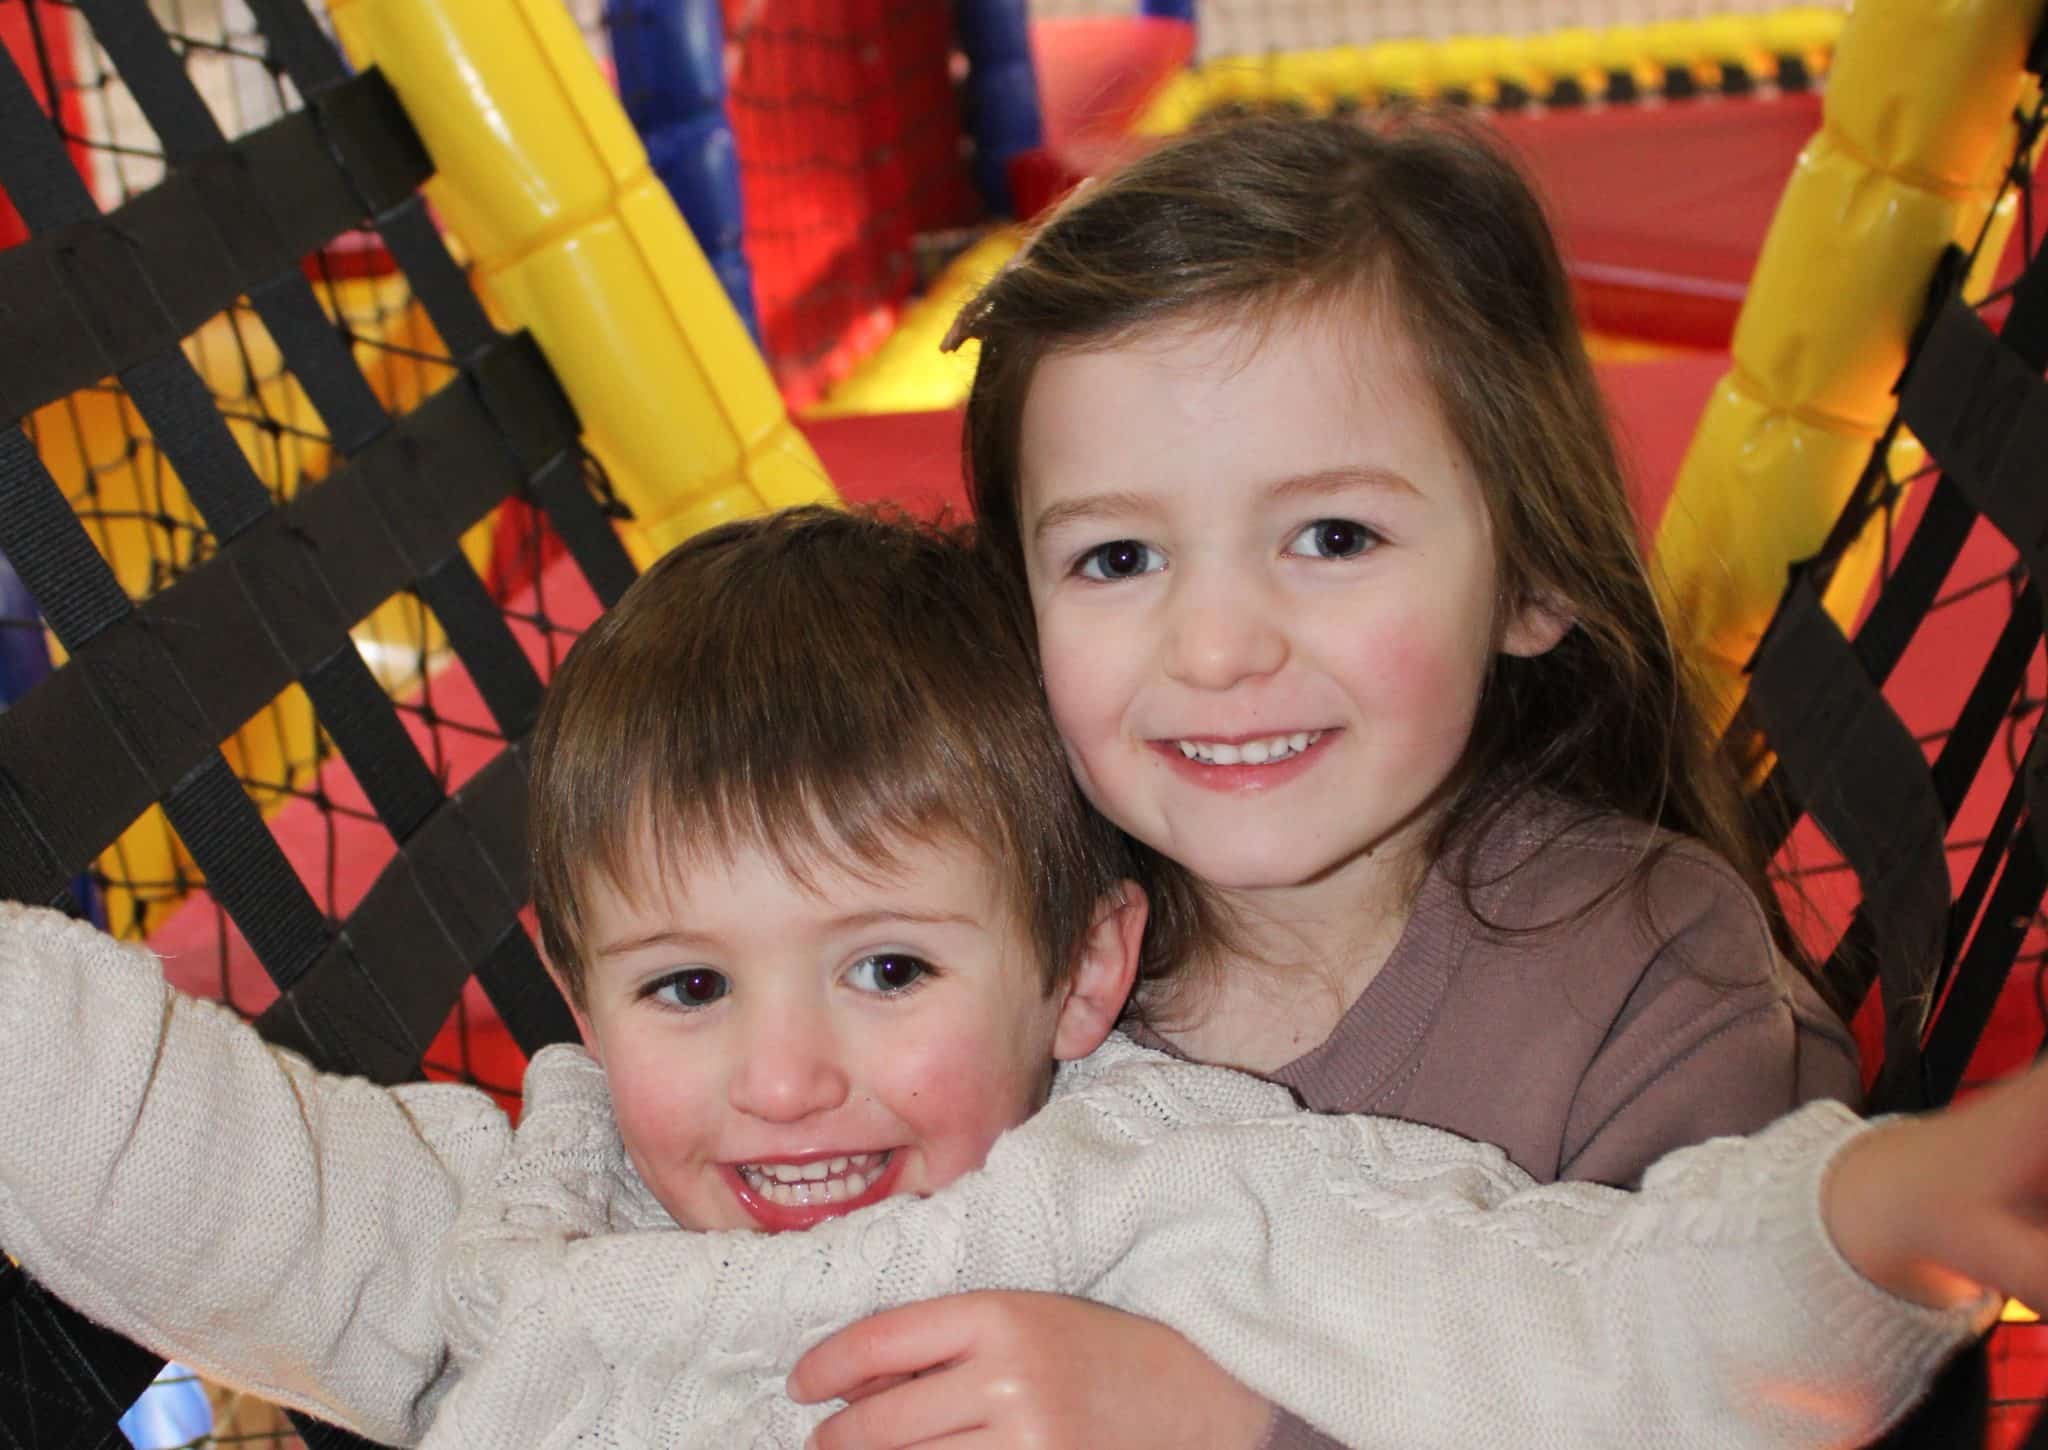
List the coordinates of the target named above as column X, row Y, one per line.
column 1220, row 634
column 789, row 1068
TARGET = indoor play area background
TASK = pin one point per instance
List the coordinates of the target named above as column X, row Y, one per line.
column 359, row 355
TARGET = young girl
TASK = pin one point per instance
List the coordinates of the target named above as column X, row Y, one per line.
column 1341, row 612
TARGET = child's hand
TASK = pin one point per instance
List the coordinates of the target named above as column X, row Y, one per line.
column 1014, row 1369
column 1937, row 1209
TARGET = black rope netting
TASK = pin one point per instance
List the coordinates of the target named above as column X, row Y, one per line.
column 285, row 521
column 1905, row 794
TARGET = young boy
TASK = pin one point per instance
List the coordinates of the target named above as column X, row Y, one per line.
column 816, row 880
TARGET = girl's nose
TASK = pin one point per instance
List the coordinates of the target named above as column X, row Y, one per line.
column 1222, row 633
column 788, row 1068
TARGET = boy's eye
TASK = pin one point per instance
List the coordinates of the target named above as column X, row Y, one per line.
column 1333, row 539
column 888, row 972
column 696, row 987
column 1119, row 559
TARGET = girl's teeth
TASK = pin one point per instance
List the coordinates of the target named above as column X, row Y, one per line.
column 798, row 1185
column 1251, row 752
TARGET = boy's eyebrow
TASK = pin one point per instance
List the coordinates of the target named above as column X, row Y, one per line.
column 684, row 938
column 671, row 938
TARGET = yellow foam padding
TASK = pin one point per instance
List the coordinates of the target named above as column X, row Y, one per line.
column 1722, row 549
column 99, row 451
column 1607, row 347
column 908, row 373
column 541, row 176
column 1917, row 124
column 1477, row 64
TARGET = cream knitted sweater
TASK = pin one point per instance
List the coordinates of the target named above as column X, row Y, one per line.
column 407, row 1264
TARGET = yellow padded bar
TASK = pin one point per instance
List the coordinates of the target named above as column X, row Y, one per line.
column 1916, row 130
column 540, row 176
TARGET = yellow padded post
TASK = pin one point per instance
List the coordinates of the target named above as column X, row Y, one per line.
column 540, row 176
column 1917, row 125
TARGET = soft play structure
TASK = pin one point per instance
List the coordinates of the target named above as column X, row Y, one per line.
column 356, row 358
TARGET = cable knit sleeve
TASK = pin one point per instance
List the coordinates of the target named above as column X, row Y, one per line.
column 172, row 1176
column 1393, row 1285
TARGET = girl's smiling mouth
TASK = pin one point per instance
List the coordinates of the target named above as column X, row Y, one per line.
column 1245, row 763
column 1262, row 750
column 784, row 1195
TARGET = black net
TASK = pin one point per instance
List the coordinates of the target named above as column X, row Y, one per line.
column 284, row 530
column 1908, row 754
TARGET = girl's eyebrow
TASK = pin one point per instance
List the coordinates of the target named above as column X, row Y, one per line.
column 1321, row 482
column 1094, row 506
column 887, row 916
column 1337, row 480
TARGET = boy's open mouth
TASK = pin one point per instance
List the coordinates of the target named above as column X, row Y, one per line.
column 784, row 1196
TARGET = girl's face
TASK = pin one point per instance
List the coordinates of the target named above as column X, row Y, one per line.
column 1266, row 593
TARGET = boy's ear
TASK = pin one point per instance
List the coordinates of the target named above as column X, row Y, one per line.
column 582, row 1022
column 1107, row 965
column 1537, row 626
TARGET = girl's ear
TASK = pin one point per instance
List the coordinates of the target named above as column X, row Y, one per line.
column 1536, row 627
column 1099, row 985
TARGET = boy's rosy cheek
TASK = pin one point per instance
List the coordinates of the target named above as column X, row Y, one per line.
column 959, row 1097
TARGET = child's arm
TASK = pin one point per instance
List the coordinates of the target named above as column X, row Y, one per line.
column 1932, row 1207
column 1400, row 1287
column 173, row 1177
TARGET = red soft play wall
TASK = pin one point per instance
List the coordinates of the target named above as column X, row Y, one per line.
column 850, row 145
column 48, row 62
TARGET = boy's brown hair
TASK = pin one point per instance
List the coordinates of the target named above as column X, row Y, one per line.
column 818, row 684
column 1427, row 220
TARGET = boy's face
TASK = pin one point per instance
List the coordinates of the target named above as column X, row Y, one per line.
column 779, row 1054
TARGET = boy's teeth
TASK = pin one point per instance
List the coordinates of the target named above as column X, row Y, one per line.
column 1251, row 752
column 824, row 1180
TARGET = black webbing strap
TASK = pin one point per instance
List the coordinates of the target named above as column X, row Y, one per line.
column 538, row 421
column 236, row 630
column 90, row 298
column 408, row 478
column 128, row 697
column 1982, row 412
column 2037, row 1437
column 309, row 58
column 1981, row 976
column 539, row 424
column 520, row 391
column 1865, row 783
column 447, row 902
column 64, row 1381
column 373, row 158
column 1847, row 975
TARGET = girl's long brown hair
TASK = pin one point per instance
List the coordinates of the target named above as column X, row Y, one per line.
column 1263, row 219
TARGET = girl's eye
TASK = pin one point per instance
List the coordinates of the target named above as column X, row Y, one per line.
column 692, row 988
column 889, row 972
column 1119, row 559
column 1333, row 539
